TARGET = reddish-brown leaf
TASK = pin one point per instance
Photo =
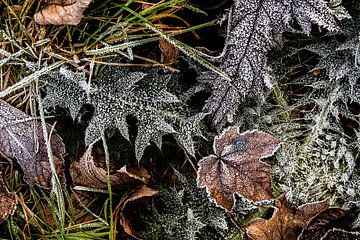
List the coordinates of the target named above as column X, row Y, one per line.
column 86, row 173
column 169, row 53
column 21, row 138
column 8, row 201
column 62, row 12
column 287, row 222
column 236, row 166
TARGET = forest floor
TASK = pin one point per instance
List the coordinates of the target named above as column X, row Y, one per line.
column 180, row 119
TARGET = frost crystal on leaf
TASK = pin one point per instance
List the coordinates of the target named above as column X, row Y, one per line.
column 318, row 159
column 254, row 28
column 117, row 93
column 306, row 12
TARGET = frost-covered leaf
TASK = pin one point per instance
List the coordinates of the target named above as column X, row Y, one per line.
column 117, row 93
column 236, row 166
column 185, row 214
column 338, row 10
column 254, row 28
column 194, row 225
column 286, row 222
column 21, row 138
column 327, row 150
column 249, row 39
column 306, row 12
column 244, row 207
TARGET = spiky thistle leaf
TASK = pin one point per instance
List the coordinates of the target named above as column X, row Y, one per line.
column 327, row 153
column 117, row 93
column 185, row 214
column 320, row 122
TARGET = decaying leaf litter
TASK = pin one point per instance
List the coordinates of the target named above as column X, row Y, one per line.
column 149, row 96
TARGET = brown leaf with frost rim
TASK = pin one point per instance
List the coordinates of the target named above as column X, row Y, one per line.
column 8, row 201
column 134, row 195
column 287, row 222
column 236, row 166
column 21, row 138
column 86, row 173
column 62, row 12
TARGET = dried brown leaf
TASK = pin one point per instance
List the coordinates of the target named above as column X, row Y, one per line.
column 319, row 225
column 86, row 173
column 236, row 166
column 21, row 138
column 287, row 222
column 62, row 12
column 169, row 53
column 134, row 195
column 8, row 201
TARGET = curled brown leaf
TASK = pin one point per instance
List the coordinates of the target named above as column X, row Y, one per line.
column 86, row 173
column 21, row 138
column 62, row 12
column 236, row 166
column 287, row 222
column 134, row 195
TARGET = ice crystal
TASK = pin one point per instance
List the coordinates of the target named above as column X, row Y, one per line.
column 254, row 27
column 117, row 93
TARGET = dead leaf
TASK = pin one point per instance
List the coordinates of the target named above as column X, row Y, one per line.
column 21, row 138
column 8, row 201
column 286, row 222
column 319, row 225
column 136, row 194
column 86, row 173
column 62, row 12
column 236, row 166
column 316, row 73
column 169, row 53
